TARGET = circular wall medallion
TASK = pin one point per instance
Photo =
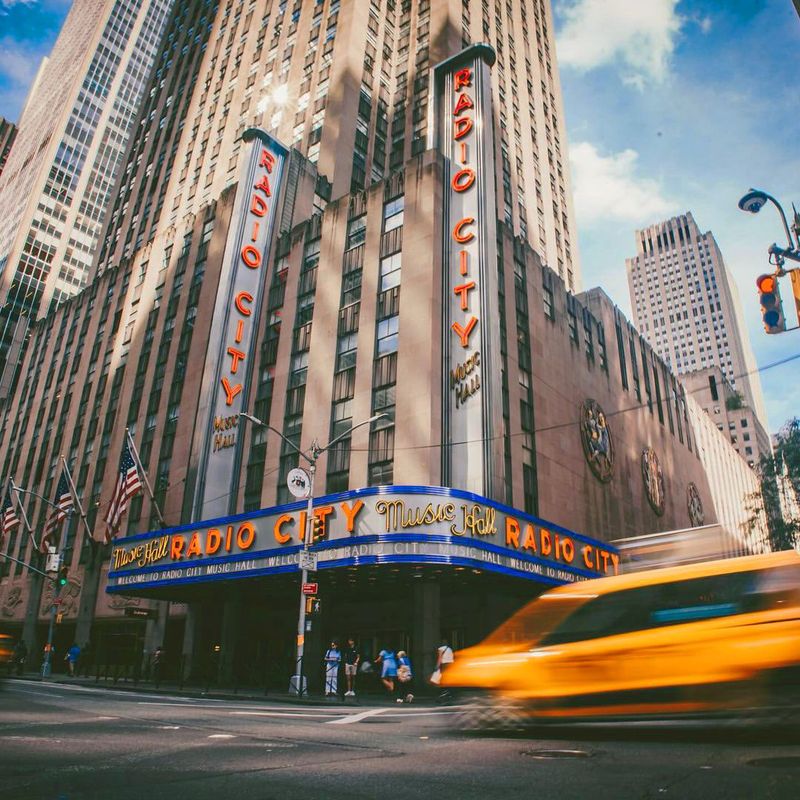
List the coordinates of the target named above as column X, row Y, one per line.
column 596, row 439
column 695, row 506
column 653, row 480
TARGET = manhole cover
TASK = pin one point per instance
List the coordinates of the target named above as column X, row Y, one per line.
column 789, row 762
column 548, row 754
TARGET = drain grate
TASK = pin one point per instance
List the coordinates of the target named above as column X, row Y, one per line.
column 553, row 754
column 788, row 762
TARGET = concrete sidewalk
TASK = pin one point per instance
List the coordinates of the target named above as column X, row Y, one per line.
column 222, row 693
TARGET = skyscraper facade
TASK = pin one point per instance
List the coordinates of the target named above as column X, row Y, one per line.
column 57, row 183
column 348, row 85
column 373, row 272
column 685, row 302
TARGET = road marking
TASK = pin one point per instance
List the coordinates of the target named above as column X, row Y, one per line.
column 296, row 714
column 38, row 694
column 421, row 714
column 30, row 739
column 169, row 727
column 222, row 736
column 357, row 717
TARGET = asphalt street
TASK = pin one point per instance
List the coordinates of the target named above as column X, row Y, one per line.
column 64, row 742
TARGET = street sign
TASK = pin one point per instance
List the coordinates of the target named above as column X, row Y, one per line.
column 308, row 561
column 310, row 588
column 53, row 563
column 299, row 482
column 141, row 613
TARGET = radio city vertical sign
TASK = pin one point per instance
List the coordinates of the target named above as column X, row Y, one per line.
column 231, row 349
column 463, row 131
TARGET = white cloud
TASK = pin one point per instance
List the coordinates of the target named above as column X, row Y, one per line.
column 18, row 65
column 608, row 188
column 7, row 5
column 638, row 34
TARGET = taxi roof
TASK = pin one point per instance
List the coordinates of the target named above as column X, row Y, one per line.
column 632, row 580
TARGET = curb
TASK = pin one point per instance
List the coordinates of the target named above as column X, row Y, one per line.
column 199, row 694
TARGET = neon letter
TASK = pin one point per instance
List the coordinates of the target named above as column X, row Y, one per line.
column 463, row 238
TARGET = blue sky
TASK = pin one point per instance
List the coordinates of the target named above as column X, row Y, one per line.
column 28, row 29
column 671, row 106
column 682, row 105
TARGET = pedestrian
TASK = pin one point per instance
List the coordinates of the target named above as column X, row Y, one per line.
column 157, row 663
column 352, row 658
column 444, row 658
column 20, row 656
column 405, row 676
column 72, row 656
column 388, row 662
column 333, row 658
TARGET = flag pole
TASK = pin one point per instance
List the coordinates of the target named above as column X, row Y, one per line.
column 76, row 498
column 138, row 460
column 25, row 519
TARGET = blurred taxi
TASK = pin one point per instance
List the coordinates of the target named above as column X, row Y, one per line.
column 719, row 635
column 6, row 648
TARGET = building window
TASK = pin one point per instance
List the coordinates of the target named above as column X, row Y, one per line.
column 393, row 214
column 548, row 297
column 387, row 330
column 390, row 272
column 356, row 232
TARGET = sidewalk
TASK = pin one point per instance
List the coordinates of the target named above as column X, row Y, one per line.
column 222, row 693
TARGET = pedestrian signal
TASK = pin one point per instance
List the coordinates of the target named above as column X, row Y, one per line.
column 63, row 577
column 769, row 296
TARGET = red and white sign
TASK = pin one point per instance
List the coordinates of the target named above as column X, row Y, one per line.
column 310, row 588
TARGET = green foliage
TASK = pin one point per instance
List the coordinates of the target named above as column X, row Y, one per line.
column 734, row 402
column 784, row 533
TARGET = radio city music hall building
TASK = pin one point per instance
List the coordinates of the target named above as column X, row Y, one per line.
column 365, row 250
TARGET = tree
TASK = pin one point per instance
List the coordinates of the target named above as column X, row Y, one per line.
column 779, row 475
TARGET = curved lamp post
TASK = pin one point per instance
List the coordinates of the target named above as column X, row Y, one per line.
column 297, row 682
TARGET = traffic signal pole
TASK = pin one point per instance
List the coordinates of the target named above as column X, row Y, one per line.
column 59, row 582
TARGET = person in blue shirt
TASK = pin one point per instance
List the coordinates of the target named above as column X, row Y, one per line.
column 388, row 662
column 332, row 660
column 72, row 656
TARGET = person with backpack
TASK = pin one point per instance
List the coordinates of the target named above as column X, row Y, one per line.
column 405, row 676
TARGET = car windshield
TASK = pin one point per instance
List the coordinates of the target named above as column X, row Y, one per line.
column 537, row 619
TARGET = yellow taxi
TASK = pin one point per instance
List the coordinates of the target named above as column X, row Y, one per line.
column 6, row 648
column 719, row 635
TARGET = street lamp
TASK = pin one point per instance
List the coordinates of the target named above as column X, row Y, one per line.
column 753, row 202
column 296, row 684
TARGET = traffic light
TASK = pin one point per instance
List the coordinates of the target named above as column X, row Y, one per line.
column 769, row 296
column 63, row 577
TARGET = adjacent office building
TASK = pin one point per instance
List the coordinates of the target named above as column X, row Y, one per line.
column 8, row 132
column 57, row 182
column 335, row 213
column 685, row 302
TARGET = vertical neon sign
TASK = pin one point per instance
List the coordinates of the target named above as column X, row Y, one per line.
column 231, row 348
column 471, row 391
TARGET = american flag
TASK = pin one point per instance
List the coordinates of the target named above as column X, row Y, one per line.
column 8, row 514
column 128, row 483
column 63, row 503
